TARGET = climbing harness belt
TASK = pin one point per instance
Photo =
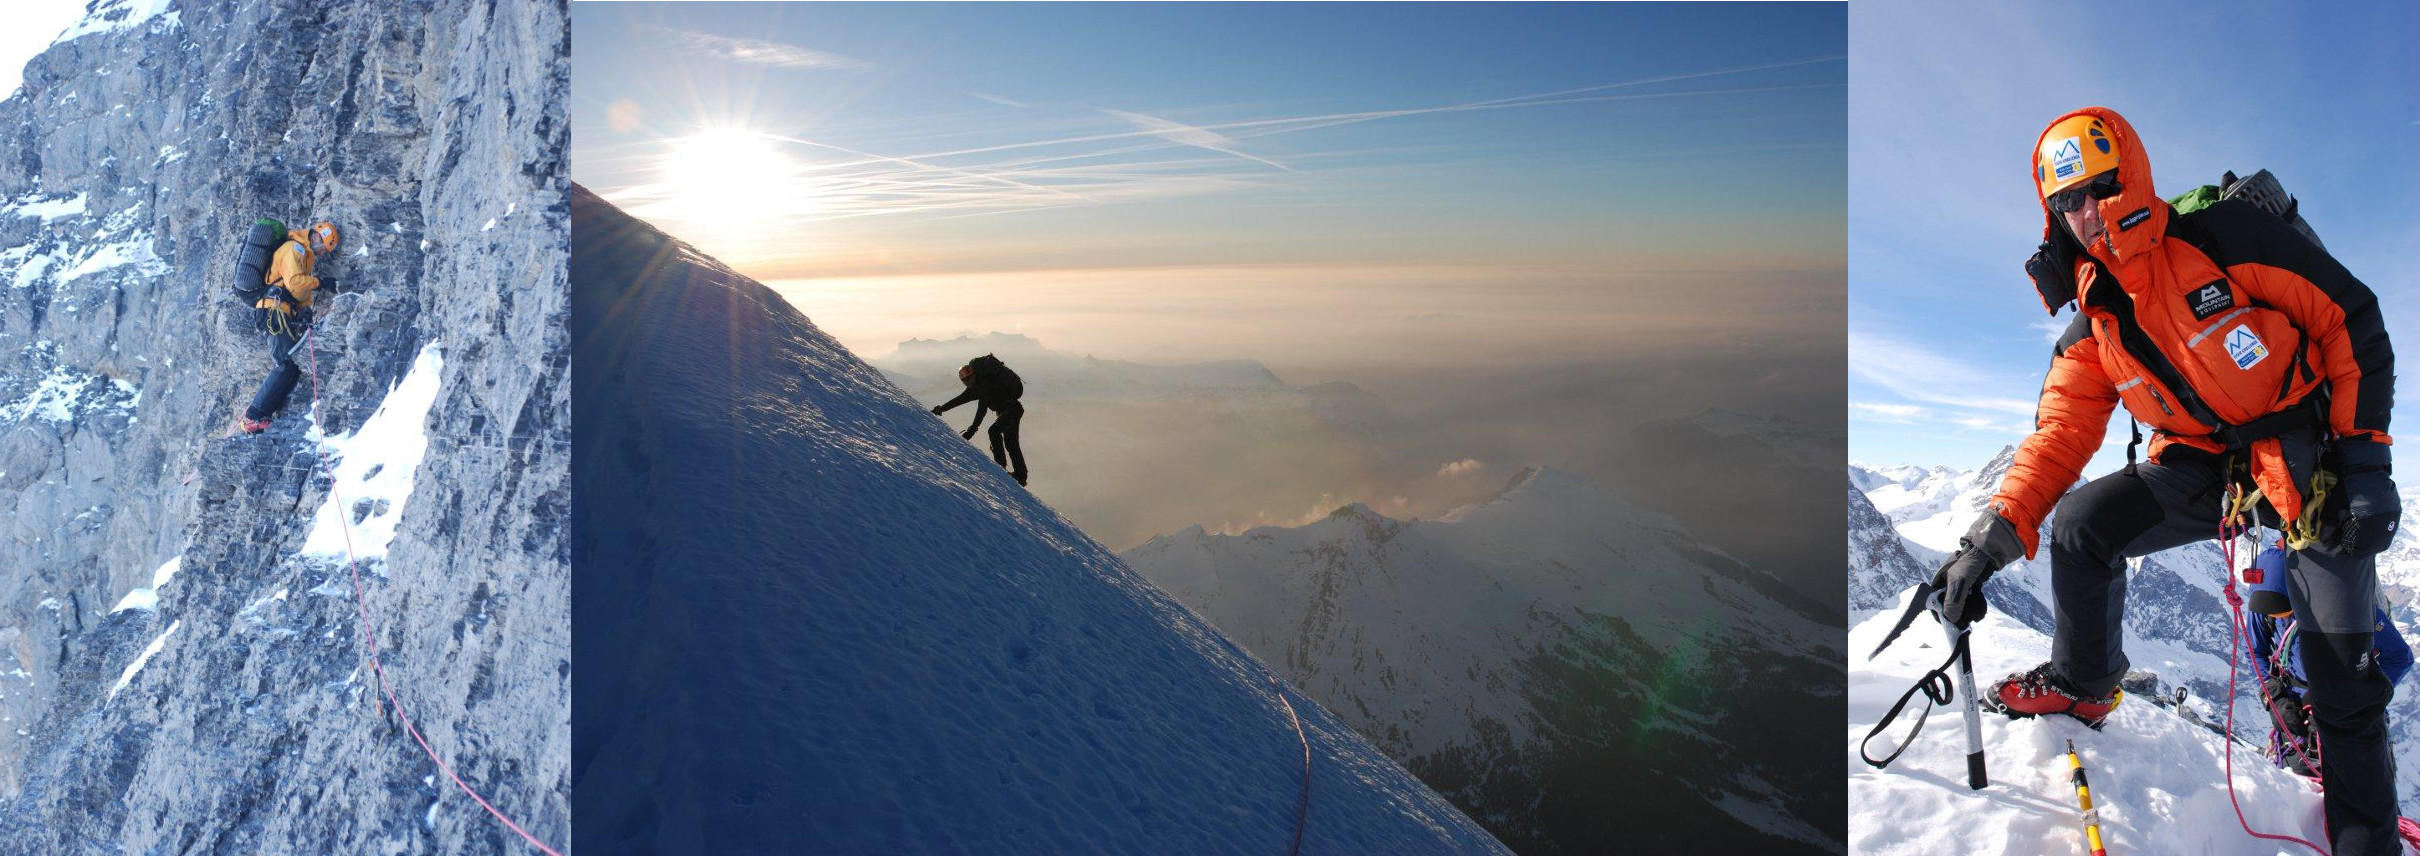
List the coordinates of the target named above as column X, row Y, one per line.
column 370, row 643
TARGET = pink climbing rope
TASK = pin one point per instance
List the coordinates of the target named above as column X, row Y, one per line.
column 1302, row 810
column 362, row 599
column 2237, row 631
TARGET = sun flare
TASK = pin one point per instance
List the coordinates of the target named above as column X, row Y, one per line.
column 729, row 178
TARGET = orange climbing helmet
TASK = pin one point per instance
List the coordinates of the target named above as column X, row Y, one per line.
column 2072, row 150
column 322, row 237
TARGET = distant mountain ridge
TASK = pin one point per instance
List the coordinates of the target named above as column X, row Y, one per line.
column 1554, row 658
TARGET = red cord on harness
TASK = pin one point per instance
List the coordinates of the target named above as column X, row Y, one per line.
column 2237, row 632
column 353, row 566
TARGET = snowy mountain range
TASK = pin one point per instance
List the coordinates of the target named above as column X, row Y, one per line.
column 2175, row 616
column 1579, row 674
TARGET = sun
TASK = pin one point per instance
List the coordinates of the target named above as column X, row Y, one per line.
column 727, row 178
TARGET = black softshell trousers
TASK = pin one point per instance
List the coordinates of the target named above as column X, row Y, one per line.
column 283, row 373
column 1003, row 433
column 2150, row 507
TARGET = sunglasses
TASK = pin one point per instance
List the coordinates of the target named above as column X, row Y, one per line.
column 2100, row 187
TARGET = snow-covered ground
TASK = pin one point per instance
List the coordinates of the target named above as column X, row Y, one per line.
column 2159, row 782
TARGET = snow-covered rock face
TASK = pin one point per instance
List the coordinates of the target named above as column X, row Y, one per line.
column 181, row 657
column 2175, row 615
column 834, row 627
column 1545, row 649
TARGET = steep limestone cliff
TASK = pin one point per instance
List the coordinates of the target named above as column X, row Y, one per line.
column 182, row 663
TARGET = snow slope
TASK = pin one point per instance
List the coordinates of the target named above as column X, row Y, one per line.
column 2159, row 781
column 1604, row 677
column 837, row 628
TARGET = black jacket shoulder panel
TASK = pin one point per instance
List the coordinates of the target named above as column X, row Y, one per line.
column 2079, row 328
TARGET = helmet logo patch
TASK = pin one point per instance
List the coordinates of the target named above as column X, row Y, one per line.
column 2245, row 347
column 2067, row 161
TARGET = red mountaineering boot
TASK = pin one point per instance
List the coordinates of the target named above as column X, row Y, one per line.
column 2041, row 692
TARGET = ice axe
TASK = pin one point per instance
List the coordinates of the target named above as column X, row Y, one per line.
column 1936, row 686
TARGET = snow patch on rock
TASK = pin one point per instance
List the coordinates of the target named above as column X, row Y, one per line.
column 374, row 467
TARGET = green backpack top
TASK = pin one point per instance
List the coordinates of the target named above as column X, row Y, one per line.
column 2260, row 188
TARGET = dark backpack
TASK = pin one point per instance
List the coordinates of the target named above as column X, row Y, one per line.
column 252, row 259
column 989, row 367
column 2261, row 189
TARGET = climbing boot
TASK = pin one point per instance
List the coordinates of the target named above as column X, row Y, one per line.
column 251, row 426
column 2041, row 691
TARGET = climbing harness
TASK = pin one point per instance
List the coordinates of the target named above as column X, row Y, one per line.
column 1936, row 687
column 370, row 641
column 2083, row 795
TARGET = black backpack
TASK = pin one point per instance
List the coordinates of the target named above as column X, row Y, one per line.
column 2261, row 189
column 252, row 259
column 989, row 366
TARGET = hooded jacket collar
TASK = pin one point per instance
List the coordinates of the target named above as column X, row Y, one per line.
column 2136, row 219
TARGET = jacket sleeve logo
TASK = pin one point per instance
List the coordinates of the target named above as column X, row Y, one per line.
column 2209, row 300
column 2245, row 347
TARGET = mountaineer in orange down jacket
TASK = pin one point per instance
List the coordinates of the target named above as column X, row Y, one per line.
column 2256, row 359
column 285, row 314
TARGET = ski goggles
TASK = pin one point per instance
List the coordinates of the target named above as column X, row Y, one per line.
column 2099, row 187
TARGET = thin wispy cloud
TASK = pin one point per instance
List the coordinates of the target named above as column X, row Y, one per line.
column 758, row 52
column 1189, row 135
column 1899, row 414
column 1920, row 374
column 1144, row 157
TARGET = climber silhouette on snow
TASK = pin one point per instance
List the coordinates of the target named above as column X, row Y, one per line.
column 994, row 388
column 275, row 278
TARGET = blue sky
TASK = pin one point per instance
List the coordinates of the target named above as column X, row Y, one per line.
column 1948, row 342
column 1193, row 181
column 1094, row 106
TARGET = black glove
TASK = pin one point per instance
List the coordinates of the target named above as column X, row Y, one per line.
column 968, row 433
column 938, row 411
column 2363, row 505
column 1987, row 548
column 2053, row 269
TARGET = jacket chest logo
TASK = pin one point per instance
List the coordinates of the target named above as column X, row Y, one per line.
column 2245, row 347
column 2209, row 300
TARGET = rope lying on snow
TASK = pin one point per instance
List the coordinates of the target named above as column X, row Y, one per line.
column 362, row 599
column 1302, row 810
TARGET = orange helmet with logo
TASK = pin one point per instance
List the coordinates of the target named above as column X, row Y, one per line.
column 323, row 237
column 2075, row 148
